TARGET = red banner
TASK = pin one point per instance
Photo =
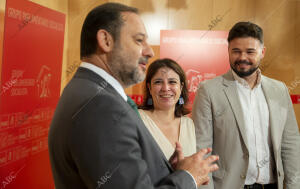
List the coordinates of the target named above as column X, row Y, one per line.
column 295, row 99
column 202, row 54
column 138, row 99
column 30, row 89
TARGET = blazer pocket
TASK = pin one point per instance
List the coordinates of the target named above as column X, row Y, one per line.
column 218, row 112
column 219, row 174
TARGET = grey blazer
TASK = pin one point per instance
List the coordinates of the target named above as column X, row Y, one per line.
column 219, row 124
column 96, row 140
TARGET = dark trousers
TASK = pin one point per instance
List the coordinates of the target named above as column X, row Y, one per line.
column 261, row 186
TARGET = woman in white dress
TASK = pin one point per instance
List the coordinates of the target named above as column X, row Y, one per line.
column 163, row 111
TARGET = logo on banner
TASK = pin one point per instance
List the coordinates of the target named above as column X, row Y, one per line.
column 194, row 77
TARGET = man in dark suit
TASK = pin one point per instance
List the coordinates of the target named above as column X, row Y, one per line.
column 96, row 139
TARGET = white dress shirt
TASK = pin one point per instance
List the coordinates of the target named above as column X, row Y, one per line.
column 256, row 118
column 107, row 77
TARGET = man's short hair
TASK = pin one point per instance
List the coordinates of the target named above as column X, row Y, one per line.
column 246, row 29
column 108, row 17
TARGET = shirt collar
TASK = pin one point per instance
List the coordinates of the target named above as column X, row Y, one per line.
column 244, row 83
column 107, row 77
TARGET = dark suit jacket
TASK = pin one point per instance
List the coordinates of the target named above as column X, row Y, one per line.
column 96, row 140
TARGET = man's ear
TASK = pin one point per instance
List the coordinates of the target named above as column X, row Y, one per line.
column 263, row 52
column 105, row 41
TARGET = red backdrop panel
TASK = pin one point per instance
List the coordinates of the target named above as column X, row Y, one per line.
column 295, row 99
column 30, row 88
column 202, row 54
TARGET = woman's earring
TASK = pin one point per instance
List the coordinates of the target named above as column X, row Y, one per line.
column 149, row 101
column 181, row 101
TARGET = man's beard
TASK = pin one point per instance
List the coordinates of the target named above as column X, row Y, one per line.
column 243, row 74
column 123, row 69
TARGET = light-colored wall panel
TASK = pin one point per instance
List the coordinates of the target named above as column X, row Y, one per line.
column 279, row 38
column 77, row 10
column 297, row 63
column 280, row 21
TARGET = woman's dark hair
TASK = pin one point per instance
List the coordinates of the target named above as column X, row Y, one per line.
column 180, row 109
column 246, row 29
column 108, row 17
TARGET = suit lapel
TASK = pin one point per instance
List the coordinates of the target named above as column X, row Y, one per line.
column 90, row 75
column 276, row 112
column 230, row 91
